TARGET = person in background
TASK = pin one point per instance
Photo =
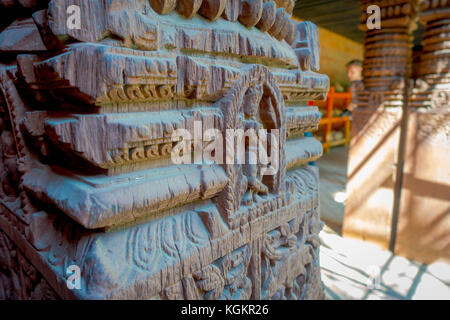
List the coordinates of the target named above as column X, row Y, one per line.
column 354, row 74
column 354, row 70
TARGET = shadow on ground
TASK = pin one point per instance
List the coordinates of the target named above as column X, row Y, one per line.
column 353, row 269
column 333, row 178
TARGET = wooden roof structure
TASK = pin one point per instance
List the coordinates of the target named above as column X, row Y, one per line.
column 339, row 16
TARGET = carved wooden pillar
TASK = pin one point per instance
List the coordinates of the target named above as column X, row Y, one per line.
column 387, row 52
column 377, row 121
column 424, row 220
column 376, row 154
column 433, row 84
column 89, row 122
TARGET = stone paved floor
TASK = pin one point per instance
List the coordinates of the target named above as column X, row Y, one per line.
column 353, row 269
column 333, row 177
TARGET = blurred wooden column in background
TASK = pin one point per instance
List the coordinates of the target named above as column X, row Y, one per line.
column 422, row 186
column 376, row 122
column 424, row 221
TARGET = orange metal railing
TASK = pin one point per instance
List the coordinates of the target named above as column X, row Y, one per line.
column 335, row 100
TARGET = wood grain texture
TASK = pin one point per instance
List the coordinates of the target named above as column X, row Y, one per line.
column 87, row 134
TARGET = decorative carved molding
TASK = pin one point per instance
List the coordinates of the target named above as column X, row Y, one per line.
column 87, row 117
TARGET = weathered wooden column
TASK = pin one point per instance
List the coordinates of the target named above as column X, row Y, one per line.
column 424, row 219
column 377, row 121
column 90, row 114
column 398, row 177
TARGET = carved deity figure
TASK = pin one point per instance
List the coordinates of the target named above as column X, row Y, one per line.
column 252, row 171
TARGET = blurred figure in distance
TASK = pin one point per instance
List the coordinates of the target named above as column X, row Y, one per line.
column 354, row 74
